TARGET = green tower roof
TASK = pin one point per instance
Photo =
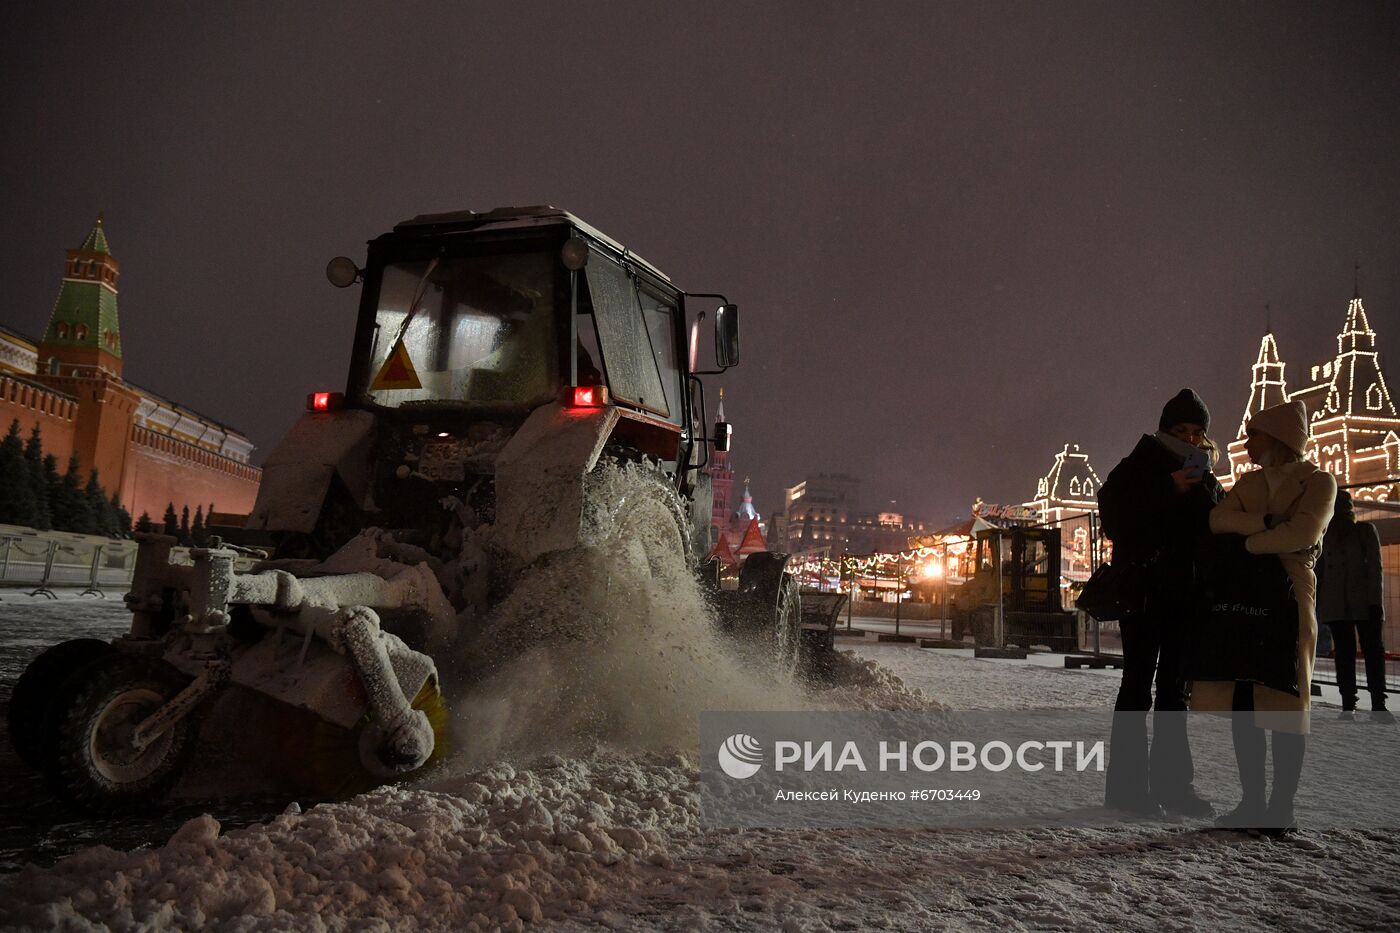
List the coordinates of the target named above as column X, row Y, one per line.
column 86, row 309
column 96, row 241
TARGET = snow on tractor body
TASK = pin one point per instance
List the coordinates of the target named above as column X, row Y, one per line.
column 501, row 362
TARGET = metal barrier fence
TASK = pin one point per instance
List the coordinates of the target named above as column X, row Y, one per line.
column 47, row 560
column 44, row 560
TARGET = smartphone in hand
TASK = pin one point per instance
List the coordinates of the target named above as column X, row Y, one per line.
column 1197, row 463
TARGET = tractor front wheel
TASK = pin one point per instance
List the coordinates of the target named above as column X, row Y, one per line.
column 97, row 764
column 39, row 686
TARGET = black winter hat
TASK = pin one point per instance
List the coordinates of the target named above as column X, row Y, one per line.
column 1185, row 407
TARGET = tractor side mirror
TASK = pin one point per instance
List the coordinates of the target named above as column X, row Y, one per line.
column 724, row 432
column 727, row 336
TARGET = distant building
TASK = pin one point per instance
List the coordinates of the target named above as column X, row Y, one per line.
column 736, row 531
column 1067, row 497
column 1354, row 422
column 821, row 515
column 148, row 449
column 1355, row 432
column 817, row 512
column 727, row 517
column 721, row 483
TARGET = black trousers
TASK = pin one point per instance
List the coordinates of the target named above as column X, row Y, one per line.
column 1154, row 650
column 1344, row 638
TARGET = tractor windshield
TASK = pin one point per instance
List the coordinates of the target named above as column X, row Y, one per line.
column 464, row 329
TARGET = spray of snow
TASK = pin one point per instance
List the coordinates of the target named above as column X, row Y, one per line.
column 852, row 682
column 612, row 642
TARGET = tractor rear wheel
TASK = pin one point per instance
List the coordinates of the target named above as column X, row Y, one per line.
column 39, row 685
column 636, row 502
column 96, row 764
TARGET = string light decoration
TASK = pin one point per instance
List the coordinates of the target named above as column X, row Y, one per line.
column 832, row 566
column 1353, row 418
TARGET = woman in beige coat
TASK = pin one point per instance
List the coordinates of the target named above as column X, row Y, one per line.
column 1281, row 509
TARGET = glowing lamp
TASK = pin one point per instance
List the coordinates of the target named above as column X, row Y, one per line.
column 590, row 396
column 325, row 401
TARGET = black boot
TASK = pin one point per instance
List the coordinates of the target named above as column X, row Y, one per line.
column 1250, row 748
column 1289, row 749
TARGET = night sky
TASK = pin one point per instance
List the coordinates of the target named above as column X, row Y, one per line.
column 961, row 235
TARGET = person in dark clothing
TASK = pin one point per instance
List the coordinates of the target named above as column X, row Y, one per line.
column 1349, row 601
column 1154, row 507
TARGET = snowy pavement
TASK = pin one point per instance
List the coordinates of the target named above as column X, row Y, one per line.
column 610, row 840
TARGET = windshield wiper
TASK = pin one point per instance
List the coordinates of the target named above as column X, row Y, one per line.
column 413, row 305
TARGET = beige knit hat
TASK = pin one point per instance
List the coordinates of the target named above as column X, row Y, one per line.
column 1287, row 422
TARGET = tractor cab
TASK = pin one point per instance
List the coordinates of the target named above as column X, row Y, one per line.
column 468, row 317
column 493, row 353
column 1030, row 571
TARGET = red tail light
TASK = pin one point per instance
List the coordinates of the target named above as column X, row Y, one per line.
column 325, row 401
column 590, row 396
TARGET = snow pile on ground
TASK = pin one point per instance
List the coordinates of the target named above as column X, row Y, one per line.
column 602, row 841
column 486, row 849
column 849, row 681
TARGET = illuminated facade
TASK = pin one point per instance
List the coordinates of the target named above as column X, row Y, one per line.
column 1067, row 497
column 721, row 484
column 1355, row 430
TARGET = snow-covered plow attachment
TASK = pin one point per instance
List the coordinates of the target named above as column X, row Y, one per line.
column 115, row 724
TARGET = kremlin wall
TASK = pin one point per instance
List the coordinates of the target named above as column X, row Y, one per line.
column 148, row 449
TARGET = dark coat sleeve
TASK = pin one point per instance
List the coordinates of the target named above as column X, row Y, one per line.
column 1134, row 506
column 1371, row 548
column 1142, row 512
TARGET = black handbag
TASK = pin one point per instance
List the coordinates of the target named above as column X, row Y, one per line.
column 1246, row 627
column 1114, row 591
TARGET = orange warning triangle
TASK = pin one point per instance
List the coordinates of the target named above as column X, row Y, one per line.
column 397, row 371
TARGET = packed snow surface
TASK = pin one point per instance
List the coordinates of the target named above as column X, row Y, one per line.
column 613, row 840
column 601, row 839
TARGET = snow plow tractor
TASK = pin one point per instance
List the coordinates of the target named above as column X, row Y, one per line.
column 502, row 362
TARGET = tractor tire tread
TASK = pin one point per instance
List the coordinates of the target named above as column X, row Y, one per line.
column 38, row 686
column 71, row 773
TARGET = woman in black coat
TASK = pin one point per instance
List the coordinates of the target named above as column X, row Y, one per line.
column 1154, row 507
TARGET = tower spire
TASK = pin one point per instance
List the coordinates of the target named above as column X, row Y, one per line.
column 83, row 334
column 1267, row 387
column 1356, row 279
